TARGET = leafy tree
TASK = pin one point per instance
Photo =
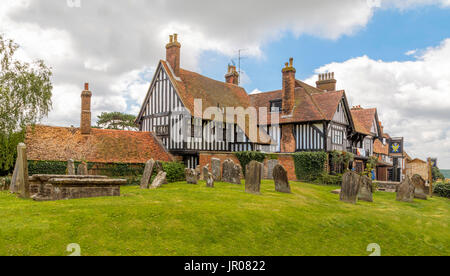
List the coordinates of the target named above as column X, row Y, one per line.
column 116, row 120
column 25, row 98
column 437, row 174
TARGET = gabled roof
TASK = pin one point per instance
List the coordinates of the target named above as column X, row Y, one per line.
column 191, row 86
column 364, row 120
column 311, row 104
column 47, row 143
column 380, row 148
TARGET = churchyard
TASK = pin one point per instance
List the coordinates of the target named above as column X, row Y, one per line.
column 217, row 211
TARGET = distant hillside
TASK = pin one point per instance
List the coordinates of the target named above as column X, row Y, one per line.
column 446, row 173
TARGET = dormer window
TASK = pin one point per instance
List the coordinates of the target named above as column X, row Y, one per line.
column 275, row 106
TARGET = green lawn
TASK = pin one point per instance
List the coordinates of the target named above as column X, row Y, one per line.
column 181, row 219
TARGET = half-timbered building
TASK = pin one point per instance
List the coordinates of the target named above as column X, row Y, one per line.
column 187, row 126
column 311, row 118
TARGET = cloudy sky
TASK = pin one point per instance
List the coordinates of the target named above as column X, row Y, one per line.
column 389, row 54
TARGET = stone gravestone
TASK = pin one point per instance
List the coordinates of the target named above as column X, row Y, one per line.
column 159, row 166
column 20, row 177
column 12, row 186
column 365, row 189
column 405, row 191
column 270, row 167
column 191, row 176
column 159, row 180
column 350, row 187
column 205, row 172
column 420, row 190
column 3, row 184
column 253, row 177
column 148, row 171
column 70, row 167
column 215, row 168
column 82, row 169
column 198, row 172
column 209, row 180
column 281, row 179
column 231, row 172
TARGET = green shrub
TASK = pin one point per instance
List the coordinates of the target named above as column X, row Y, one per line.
column 327, row 179
column 175, row 171
column 442, row 189
column 46, row 167
column 309, row 165
column 246, row 157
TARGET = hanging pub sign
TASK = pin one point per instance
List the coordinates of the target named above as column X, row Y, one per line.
column 434, row 162
column 396, row 146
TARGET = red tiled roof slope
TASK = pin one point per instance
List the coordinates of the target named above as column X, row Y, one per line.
column 101, row 146
column 311, row 104
column 363, row 119
column 191, row 86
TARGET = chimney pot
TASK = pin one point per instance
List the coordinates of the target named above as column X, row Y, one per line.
column 173, row 54
column 288, row 92
column 85, row 123
column 326, row 82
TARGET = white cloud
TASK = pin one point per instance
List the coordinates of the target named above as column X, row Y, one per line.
column 412, row 97
column 255, row 91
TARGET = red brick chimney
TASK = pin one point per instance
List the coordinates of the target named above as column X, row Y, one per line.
column 288, row 97
column 326, row 82
column 85, row 124
column 288, row 87
column 232, row 76
column 173, row 54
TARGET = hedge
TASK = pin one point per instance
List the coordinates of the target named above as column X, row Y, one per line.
column 133, row 172
column 442, row 189
column 309, row 166
column 246, row 157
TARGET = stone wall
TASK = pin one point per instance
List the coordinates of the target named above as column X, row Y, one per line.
column 59, row 187
column 286, row 160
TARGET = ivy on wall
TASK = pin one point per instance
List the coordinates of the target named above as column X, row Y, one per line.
column 246, row 157
column 309, row 165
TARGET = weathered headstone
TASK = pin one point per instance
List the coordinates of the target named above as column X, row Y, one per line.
column 205, row 172
column 420, row 190
column 159, row 167
column 13, row 186
column 148, row 171
column 198, row 172
column 281, row 179
column 82, row 169
column 209, row 180
column 159, row 180
column 70, row 167
column 22, row 184
column 365, row 189
column 253, row 177
column 350, row 187
column 2, row 184
column 191, row 176
column 270, row 166
column 405, row 191
column 231, row 172
column 215, row 168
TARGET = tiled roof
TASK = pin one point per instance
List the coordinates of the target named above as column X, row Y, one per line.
column 191, row 86
column 311, row 104
column 379, row 148
column 363, row 119
column 101, row 146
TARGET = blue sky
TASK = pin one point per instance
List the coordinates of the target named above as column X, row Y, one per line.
column 388, row 36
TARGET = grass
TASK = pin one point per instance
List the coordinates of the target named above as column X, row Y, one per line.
column 181, row 219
